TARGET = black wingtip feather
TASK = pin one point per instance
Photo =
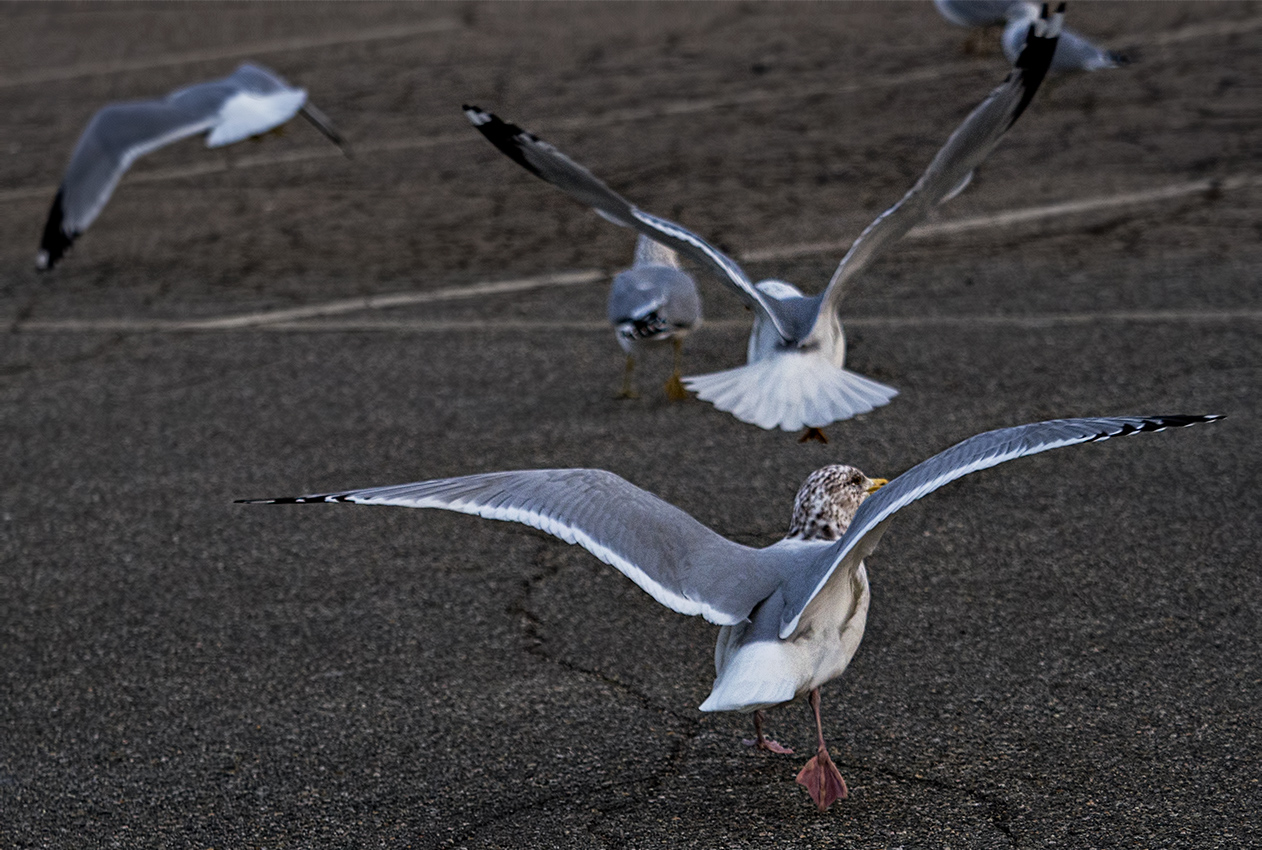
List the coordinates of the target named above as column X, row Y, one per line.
column 55, row 241
column 505, row 136
column 1159, row 423
column 294, row 500
column 1035, row 60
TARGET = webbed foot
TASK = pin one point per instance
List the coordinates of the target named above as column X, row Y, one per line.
column 822, row 780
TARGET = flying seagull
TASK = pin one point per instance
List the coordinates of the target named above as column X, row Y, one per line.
column 652, row 302
column 1073, row 53
column 792, row 614
column 795, row 375
column 249, row 102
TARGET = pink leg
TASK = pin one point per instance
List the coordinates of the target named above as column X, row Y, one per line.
column 820, row 777
column 764, row 743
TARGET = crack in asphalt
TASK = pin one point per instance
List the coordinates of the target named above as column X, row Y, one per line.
column 997, row 806
column 548, row 563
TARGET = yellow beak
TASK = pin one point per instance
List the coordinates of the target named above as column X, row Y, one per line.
column 877, row 484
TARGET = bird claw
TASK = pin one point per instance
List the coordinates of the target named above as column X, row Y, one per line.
column 822, row 780
column 675, row 390
column 768, row 745
column 813, row 434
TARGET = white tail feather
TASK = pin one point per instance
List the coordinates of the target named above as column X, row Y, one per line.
column 791, row 390
column 758, row 675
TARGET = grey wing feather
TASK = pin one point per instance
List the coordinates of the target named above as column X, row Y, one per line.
column 967, row 147
column 115, row 137
column 1075, row 53
column 980, row 452
column 644, row 290
column 549, row 164
column 120, row 133
column 677, row 560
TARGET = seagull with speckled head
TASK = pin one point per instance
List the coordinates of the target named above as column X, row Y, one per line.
column 792, row 614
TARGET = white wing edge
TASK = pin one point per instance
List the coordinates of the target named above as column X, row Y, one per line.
column 512, row 140
column 888, row 500
column 570, row 534
column 81, row 222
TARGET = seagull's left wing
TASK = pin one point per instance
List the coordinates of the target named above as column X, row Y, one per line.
column 980, row 452
column 547, row 163
column 950, row 170
column 115, row 137
column 680, row 562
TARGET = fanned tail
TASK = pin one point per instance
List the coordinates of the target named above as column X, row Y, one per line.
column 791, row 391
column 758, row 675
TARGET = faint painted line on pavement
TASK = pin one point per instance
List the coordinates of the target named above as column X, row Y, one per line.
column 328, row 308
column 1205, row 30
column 254, row 48
column 1022, row 216
column 541, row 327
column 398, row 299
column 616, row 116
column 68, row 72
column 583, row 277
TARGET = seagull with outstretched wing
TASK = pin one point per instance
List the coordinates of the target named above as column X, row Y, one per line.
column 793, row 613
column 795, row 376
column 249, row 102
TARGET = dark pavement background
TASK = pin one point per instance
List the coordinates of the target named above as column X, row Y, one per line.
column 1063, row 651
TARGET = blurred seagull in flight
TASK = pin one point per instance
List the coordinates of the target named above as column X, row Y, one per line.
column 249, row 102
column 654, row 301
column 793, row 613
column 1073, row 53
column 795, row 376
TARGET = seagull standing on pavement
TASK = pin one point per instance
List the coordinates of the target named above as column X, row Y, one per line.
column 654, row 301
column 793, row 613
column 249, row 102
column 795, row 376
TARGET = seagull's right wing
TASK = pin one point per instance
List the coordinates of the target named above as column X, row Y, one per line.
column 546, row 162
column 953, row 165
column 677, row 560
column 114, row 138
column 1073, row 51
column 980, row 452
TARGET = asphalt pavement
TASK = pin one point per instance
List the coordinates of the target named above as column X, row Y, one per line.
column 1062, row 651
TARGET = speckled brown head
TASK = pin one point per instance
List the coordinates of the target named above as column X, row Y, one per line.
column 827, row 501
